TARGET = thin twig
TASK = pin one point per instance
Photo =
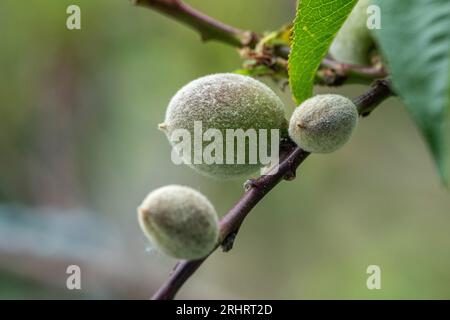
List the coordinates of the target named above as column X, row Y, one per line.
column 380, row 90
column 209, row 28
column 342, row 70
column 258, row 188
column 345, row 70
column 212, row 29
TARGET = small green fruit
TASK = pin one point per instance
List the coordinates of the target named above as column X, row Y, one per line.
column 179, row 221
column 354, row 40
column 323, row 123
column 224, row 101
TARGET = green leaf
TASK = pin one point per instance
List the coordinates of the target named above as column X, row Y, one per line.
column 315, row 26
column 415, row 40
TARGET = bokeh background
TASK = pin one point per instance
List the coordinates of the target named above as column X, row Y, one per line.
column 79, row 150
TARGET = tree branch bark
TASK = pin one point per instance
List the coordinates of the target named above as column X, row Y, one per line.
column 212, row 29
column 258, row 188
column 207, row 27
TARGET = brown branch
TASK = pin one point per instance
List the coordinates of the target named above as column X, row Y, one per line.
column 345, row 70
column 258, row 188
column 209, row 28
column 342, row 71
column 335, row 73
column 368, row 101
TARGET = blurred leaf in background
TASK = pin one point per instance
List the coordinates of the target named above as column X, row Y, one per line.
column 419, row 59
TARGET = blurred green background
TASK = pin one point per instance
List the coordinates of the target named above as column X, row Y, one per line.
column 79, row 150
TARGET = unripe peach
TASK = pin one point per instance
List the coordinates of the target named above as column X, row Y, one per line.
column 354, row 40
column 180, row 221
column 224, row 101
column 323, row 123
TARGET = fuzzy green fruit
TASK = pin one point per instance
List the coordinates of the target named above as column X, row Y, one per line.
column 224, row 101
column 323, row 123
column 180, row 221
column 354, row 40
